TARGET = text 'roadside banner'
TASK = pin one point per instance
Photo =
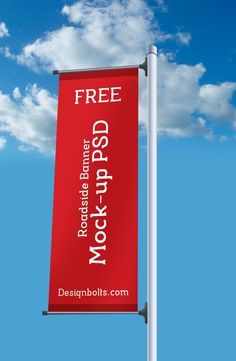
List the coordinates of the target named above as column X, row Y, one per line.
column 94, row 254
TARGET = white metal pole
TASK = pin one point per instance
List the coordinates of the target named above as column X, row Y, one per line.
column 152, row 203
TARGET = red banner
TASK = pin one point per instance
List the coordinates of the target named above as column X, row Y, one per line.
column 95, row 215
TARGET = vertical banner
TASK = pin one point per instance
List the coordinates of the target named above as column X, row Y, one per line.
column 94, row 255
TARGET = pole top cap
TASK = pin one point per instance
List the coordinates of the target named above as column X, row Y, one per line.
column 152, row 49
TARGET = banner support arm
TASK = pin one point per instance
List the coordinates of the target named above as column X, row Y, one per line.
column 49, row 313
column 140, row 66
column 57, row 72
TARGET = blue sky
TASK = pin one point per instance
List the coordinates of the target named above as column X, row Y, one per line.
column 197, row 173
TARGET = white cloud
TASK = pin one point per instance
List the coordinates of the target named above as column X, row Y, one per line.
column 162, row 6
column 187, row 108
column 3, row 143
column 7, row 53
column 179, row 98
column 16, row 93
column 3, row 30
column 215, row 101
column 184, row 38
column 101, row 33
column 108, row 33
column 30, row 118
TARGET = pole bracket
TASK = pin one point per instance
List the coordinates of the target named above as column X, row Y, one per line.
column 144, row 313
column 144, row 66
